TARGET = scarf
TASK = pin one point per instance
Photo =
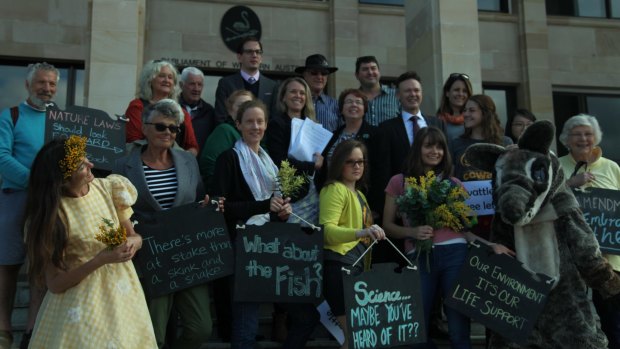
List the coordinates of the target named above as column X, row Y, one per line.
column 452, row 119
column 259, row 173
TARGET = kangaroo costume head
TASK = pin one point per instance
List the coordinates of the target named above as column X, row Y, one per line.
column 529, row 195
column 525, row 178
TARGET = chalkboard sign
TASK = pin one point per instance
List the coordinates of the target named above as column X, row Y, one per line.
column 278, row 262
column 495, row 290
column 601, row 209
column 185, row 246
column 105, row 137
column 383, row 307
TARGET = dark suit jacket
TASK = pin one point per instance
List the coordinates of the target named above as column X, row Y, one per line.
column 267, row 92
column 392, row 150
column 189, row 189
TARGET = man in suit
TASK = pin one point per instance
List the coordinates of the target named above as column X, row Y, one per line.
column 250, row 56
column 202, row 113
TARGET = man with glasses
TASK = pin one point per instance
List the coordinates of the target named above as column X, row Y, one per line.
column 315, row 73
column 22, row 131
column 382, row 102
column 250, row 56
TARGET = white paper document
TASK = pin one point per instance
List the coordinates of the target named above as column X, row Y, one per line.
column 307, row 138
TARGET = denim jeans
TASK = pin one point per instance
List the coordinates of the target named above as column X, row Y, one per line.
column 445, row 263
column 610, row 320
column 302, row 318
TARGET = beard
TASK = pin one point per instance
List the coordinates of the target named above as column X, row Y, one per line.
column 38, row 102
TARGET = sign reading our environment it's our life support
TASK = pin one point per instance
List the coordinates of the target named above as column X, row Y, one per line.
column 601, row 210
column 495, row 290
column 105, row 137
column 383, row 307
column 278, row 262
column 182, row 247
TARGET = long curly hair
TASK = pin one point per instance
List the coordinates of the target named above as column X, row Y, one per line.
column 492, row 131
column 44, row 226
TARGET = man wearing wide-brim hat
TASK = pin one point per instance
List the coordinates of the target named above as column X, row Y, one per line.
column 315, row 72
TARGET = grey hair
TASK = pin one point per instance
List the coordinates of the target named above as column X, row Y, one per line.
column 149, row 72
column 581, row 120
column 34, row 68
column 191, row 71
column 167, row 108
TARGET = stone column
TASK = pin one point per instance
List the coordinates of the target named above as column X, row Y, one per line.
column 442, row 38
column 115, row 53
column 344, row 44
column 535, row 91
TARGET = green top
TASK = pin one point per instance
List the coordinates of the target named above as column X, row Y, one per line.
column 221, row 139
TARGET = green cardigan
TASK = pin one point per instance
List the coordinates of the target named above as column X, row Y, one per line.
column 221, row 139
column 341, row 215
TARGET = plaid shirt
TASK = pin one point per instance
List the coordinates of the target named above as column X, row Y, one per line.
column 327, row 111
column 383, row 107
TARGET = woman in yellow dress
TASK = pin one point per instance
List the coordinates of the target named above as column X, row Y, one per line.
column 94, row 298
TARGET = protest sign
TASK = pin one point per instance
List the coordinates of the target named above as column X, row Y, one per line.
column 278, row 262
column 495, row 290
column 183, row 247
column 601, row 210
column 480, row 197
column 105, row 137
column 384, row 307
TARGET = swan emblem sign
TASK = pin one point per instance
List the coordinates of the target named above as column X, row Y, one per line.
column 238, row 23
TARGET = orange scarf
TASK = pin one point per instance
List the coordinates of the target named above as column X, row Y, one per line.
column 452, row 119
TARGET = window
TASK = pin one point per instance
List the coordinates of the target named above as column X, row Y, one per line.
column 584, row 8
column 505, row 98
column 494, row 5
column 384, row 2
column 70, row 90
column 604, row 107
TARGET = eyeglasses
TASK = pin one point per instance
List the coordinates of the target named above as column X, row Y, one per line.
column 354, row 163
column 354, row 101
column 587, row 135
column 318, row 72
column 250, row 52
column 162, row 127
column 459, row 75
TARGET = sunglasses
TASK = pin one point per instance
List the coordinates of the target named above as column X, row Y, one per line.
column 162, row 127
column 318, row 72
column 459, row 75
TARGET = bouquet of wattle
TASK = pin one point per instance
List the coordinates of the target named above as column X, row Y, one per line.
column 439, row 203
column 289, row 182
column 110, row 235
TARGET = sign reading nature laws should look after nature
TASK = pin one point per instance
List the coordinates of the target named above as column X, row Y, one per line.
column 383, row 307
column 495, row 290
column 105, row 137
column 278, row 262
column 183, row 247
column 601, row 210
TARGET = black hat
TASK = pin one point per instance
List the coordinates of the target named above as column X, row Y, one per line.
column 316, row 61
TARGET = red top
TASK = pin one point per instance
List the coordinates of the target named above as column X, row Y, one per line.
column 133, row 129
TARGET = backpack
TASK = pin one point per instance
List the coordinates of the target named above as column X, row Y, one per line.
column 14, row 115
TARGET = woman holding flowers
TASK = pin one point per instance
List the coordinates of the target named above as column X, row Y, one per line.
column 435, row 222
column 80, row 243
column 247, row 177
column 347, row 220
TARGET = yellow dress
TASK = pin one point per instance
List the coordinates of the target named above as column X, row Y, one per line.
column 107, row 309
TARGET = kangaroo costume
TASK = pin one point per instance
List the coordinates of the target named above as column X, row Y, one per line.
column 538, row 216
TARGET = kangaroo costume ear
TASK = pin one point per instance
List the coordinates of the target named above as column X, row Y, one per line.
column 482, row 156
column 538, row 137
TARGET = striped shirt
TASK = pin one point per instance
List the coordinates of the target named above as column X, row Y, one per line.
column 327, row 112
column 162, row 184
column 383, row 107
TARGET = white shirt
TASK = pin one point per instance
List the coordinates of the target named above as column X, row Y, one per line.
column 246, row 76
column 409, row 124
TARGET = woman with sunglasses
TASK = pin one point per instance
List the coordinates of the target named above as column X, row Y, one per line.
column 347, row 220
column 585, row 167
column 158, row 80
column 456, row 91
column 166, row 177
